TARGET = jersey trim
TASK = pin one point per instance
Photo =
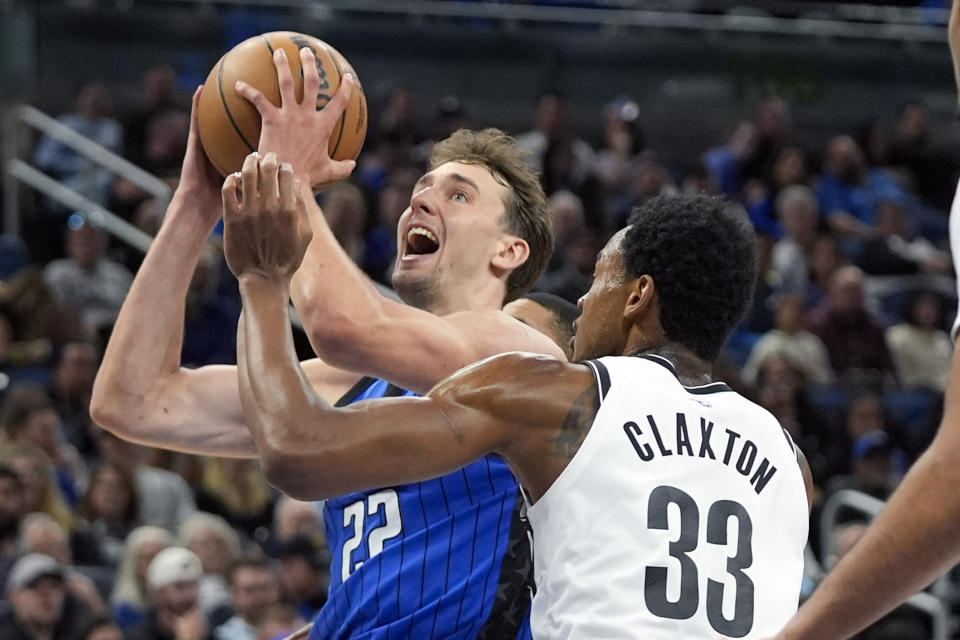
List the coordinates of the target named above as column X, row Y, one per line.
column 700, row 389
column 602, row 375
column 354, row 392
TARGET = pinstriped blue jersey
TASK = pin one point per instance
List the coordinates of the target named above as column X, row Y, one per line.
column 445, row 558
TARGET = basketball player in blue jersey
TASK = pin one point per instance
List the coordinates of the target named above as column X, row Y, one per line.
column 427, row 559
column 602, row 476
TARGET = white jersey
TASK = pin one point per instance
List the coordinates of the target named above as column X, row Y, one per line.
column 683, row 515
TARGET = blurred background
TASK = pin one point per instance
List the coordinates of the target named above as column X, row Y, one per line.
column 833, row 123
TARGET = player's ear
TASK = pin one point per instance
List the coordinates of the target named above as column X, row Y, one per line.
column 641, row 300
column 511, row 253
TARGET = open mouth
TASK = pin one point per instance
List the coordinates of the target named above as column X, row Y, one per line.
column 421, row 241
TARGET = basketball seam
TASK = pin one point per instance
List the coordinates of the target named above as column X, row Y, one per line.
column 226, row 108
column 343, row 117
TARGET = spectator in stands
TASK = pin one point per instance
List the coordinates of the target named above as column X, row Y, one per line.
column 551, row 124
column 294, row 518
column 110, row 508
column 799, row 214
column 305, row 575
column 623, row 140
column 790, row 339
column 175, row 612
column 39, row 533
column 40, row 490
column 566, row 216
column 726, row 163
column 234, row 489
column 128, row 600
column 160, row 97
column 209, row 331
column 891, row 251
column 70, row 391
column 853, row 337
column 921, row 349
column 91, row 119
column 42, row 608
column 397, row 126
column 254, row 590
column 40, row 321
column 763, row 200
column 873, row 467
column 572, row 279
column 774, row 127
column 101, row 629
column 346, row 213
column 280, row 622
column 380, row 246
column 217, row 545
column 933, row 169
column 27, row 417
column 11, row 511
column 165, row 498
column 87, row 279
column 781, row 390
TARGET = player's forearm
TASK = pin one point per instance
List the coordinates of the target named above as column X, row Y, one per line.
column 146, row 340
column 906, row 548
column 281, row 408
column 333, row 297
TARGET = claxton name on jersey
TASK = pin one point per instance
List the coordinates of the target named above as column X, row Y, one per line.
column 650, row 439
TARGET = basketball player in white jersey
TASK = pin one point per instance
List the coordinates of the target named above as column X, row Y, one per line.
column 663, row 504
column 914, row 540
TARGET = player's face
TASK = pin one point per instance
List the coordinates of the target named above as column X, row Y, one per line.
column 450, row 232
column 600, row 328
column 540, row 318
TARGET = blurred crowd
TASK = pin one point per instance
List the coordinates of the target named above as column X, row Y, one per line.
column 846, row 342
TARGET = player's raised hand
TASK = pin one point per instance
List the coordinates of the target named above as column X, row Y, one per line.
column 199, row 181
column 266, row 231
column 297, row 131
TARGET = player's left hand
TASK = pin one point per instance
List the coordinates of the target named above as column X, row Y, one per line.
column 266, row 231
column 297, row 131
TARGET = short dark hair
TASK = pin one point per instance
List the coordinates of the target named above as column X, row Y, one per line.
column 6, row 471
column 563, row 311
column 525, row 213
column 247, row 561
column 701, row 253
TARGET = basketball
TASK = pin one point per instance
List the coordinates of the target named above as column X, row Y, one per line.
column 230, row 125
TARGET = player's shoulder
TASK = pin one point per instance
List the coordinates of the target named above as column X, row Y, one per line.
column 513, row 375
column 495, row 331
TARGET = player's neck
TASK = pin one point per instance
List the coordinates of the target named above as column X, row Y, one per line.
column 691, row 369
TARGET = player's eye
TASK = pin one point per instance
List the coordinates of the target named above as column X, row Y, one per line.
column 460, row 196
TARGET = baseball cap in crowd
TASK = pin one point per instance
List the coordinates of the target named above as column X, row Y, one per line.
column 173, row 564
column 31, row 568
column 870, row 442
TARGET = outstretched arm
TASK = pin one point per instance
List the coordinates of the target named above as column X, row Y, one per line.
column 310, row 450
column 349, row 323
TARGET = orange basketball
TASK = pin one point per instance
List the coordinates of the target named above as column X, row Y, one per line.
column 230, row 125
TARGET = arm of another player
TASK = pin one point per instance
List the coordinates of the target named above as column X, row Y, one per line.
column 349, row 323
column 310, row 450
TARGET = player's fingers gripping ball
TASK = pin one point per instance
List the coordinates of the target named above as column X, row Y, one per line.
column 230, row 125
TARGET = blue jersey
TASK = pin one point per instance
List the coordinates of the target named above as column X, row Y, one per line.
column 445, row 558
